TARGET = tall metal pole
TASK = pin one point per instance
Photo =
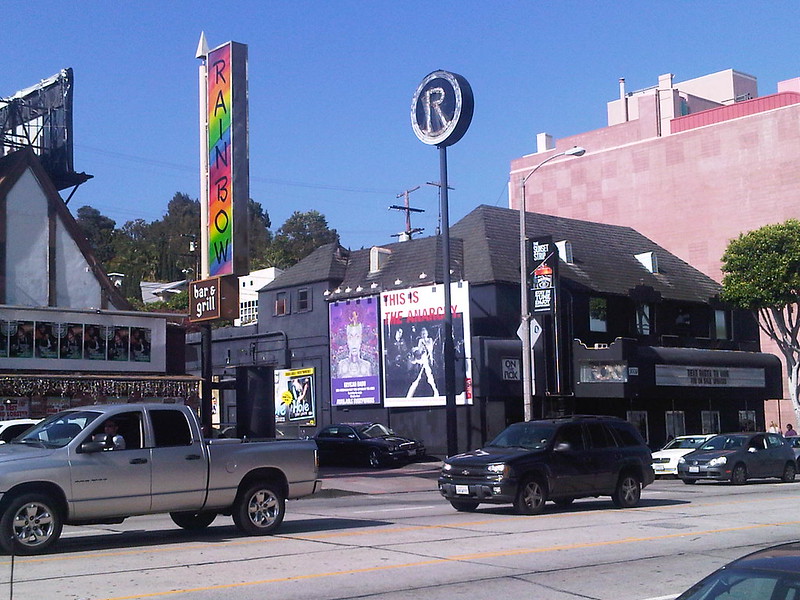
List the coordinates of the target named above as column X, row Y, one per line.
column 206, row 361
column 525, row 317
column 449, row 348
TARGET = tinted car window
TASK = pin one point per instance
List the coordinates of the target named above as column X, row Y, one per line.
column 170, row 428
column 524, row 435
column 774, row 440
column 600, row 437
column 626, row 433
column 571, row 434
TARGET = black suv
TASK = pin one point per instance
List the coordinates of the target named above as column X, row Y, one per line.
column 555, row 459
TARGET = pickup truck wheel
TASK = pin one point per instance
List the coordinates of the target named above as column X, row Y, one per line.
column 30, row 525
column 628, row 491
column 531, row 497
column 193, row 521
column 259, row 510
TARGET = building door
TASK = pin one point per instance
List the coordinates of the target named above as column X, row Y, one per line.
column 710, row 421
column 676, row 423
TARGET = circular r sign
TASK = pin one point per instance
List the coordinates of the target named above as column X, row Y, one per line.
column 441, row 109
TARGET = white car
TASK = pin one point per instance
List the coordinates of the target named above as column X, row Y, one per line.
column 13, row 427
column 665, row 461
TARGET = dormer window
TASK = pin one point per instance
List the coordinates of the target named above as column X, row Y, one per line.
column 565, row 251
column 377, row 258
column 649, row 261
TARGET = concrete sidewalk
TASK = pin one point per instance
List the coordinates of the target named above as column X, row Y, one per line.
column 413, row 477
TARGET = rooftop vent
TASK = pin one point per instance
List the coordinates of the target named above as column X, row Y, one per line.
column 649, row 261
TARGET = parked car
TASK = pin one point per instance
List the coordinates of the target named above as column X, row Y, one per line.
column 555, row 459
column 368, row 443
column 737, row 457
column 794, row 442
column 13, row 427
column 665, row 461
column 772, row 573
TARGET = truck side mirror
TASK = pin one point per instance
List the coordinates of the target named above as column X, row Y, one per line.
column 91, row 447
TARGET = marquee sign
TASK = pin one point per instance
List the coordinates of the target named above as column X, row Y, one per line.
column 441, row 110
column 228, row 168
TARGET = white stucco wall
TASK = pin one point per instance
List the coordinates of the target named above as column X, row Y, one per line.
column 76, row 285
column 26, row 245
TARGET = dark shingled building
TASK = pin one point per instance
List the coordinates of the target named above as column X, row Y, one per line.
column 641, row 334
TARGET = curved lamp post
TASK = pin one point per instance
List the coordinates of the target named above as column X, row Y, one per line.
column 525, row 317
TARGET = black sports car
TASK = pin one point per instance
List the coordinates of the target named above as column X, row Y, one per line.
column 372, row 444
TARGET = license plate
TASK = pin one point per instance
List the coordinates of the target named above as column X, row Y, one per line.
column 694, row 469
column 412, row 452
column 462, row 490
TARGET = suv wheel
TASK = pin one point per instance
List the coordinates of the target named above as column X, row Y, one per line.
column 628, row 491
column 531, row 497
column 464, row 505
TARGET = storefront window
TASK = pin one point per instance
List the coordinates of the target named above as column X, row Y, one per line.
column 747, row 420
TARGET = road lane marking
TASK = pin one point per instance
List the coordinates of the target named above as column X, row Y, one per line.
column 455, row 558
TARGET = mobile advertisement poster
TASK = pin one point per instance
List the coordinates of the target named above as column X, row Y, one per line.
column 412, row 327
column 355, row 359
column 294, row 395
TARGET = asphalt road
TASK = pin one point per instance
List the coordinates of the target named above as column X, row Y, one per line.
column 401, row 540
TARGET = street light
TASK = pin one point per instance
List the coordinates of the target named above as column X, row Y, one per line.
column 525, row 317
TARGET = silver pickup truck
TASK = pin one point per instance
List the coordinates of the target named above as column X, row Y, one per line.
column 101, row 464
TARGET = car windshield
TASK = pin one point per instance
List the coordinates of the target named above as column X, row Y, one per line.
column 531, row 436
column 725, row 442
column 744, row 584
column 682, row 443
column 374, row 430
column 58, row 430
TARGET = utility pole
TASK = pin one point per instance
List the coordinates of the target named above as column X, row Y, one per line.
column 409, row 232
column 439, row 185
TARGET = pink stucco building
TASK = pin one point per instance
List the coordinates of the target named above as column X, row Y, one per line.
column 689, row 164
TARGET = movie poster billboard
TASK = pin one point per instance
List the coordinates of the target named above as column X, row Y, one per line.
column 294, row 395
column 355, row 360
column 412, row 326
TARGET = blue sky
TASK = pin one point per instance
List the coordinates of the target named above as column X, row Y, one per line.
column 331, row 82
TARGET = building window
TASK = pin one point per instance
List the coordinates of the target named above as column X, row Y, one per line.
column 248, row 312
column 683, row 320
column 676, row 423
column 604, row 373
column 722, row 320
column 303, row 300
column 281, row 304
column 710, row 420
column 643, row 319
column 598, row 315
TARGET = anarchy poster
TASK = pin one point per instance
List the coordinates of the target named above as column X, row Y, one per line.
column 412, row 329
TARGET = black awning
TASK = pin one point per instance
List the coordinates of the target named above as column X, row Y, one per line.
column 707, row 358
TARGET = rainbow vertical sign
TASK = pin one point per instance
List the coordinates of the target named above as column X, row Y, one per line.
column 228, row 169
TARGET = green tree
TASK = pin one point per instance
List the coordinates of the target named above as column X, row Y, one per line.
column 259, row 234
column 762, row 273
column 299, row 236
column 99, row 231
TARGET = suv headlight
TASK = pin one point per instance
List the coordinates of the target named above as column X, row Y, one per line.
column 716, row 462
column 498, row 468
column 447, row 467
column 681, row 460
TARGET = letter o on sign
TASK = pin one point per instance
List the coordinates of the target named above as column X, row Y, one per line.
column 441, row 110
